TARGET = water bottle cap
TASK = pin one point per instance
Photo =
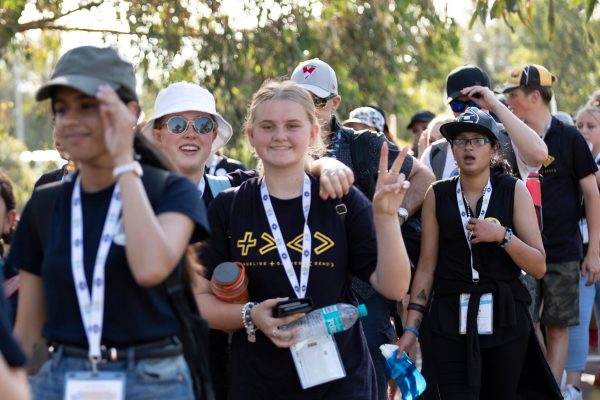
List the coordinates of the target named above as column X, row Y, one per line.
column 362, row 310
column 227, row 273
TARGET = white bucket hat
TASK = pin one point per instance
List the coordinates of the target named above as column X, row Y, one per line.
column 184, row 96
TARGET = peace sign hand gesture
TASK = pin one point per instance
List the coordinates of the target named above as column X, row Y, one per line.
column 391, row 185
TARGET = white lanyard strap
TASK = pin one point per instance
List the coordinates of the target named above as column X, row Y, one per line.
column 299, row 288
column 213, row 164
column 201, row 186
column 465, row 214
column 91, row 309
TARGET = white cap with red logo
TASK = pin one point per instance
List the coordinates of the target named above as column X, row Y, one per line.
column 317, row 77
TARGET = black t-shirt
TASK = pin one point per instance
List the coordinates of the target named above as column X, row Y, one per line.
column 9, row 348
column 132, row 314
column 339, row 249
column 569, row 160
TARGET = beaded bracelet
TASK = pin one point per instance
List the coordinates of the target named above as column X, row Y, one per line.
column 507, row 236
column 413, row 330
column 417, row 307
column 247, row 321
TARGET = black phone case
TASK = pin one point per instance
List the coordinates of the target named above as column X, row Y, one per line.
column 292, row 306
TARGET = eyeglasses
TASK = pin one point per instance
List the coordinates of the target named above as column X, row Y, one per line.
column 178, row 124
column 321, row 101
column 459, row 106
column 475, row 142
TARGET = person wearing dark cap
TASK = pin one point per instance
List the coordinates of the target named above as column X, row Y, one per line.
column 418, row 123
column 481, row 232
column 469, row 86
column 320, row 80
column 568, row 173
column 120, row 337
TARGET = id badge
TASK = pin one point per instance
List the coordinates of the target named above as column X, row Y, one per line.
column 583, row 228
column 98, row 385
column 317, row 361
column 485, row 314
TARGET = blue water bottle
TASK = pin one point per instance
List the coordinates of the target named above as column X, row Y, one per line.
column 403, row 370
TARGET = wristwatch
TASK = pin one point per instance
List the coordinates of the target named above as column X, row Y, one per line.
column 133, row 166
column 403, row 214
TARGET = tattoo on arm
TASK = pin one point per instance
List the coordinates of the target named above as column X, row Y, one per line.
column 422, row 296
column 417, row 323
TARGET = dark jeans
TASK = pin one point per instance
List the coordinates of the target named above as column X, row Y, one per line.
column 501, row 369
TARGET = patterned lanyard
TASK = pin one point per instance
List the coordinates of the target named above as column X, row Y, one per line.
column 92, row 309
column 336, row 145
column 465, row 214
column 201, row 186
column 213, row 164
column 299, row 288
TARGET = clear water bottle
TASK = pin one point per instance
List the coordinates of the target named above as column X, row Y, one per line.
column 327, row 320
column 403, row 370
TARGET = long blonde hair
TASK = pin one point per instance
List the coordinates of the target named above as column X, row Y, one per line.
column 286, row 90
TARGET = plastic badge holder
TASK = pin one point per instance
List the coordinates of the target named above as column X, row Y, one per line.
column 404, row 371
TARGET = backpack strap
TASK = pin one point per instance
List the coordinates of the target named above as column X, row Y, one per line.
column 42, row 204
column 359, row 145
column 217, row 184
column 437, row 158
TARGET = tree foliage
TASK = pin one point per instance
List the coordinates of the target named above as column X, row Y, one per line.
column 379, row 48
column 567, row 55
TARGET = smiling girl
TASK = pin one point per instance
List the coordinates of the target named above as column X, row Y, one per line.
column 283, row 207
column 94, row 290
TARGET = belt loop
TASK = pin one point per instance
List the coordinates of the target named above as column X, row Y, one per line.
column 131, row 358
column 56, row 355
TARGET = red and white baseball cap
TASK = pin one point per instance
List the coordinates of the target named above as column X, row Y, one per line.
column 317, row 77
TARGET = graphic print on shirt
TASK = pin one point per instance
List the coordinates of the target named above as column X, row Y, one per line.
column 266, row 244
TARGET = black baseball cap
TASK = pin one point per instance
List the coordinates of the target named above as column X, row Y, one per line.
column 421, row 116
column 472, row 120
column 465, row 76
column 529, row 75
column 87, row 67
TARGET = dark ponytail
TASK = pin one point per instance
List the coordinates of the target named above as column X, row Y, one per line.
column 148, row 154
column 499, row 166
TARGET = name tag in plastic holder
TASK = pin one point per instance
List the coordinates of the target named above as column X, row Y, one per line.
column 317, row 361
column 485, row 314
column 99, row 385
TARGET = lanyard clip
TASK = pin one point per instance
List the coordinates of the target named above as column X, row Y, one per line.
column 95, row 360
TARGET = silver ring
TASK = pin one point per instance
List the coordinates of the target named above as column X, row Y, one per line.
column 332, row 172
column 274, row 332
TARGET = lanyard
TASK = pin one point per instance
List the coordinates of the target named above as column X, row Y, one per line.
column 299, row 289
column 201, row 186
column 92, row 309
column 465, row 214
column 336, row 145
column 213, row 164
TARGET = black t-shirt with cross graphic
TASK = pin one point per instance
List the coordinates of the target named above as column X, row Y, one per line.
column 340, row 249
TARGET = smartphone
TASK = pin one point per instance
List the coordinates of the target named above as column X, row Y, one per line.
column 292, row 306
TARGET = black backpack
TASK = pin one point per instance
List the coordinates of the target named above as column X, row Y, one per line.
column 194, row 329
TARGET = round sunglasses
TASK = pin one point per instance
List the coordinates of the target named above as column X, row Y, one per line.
column 178, row 124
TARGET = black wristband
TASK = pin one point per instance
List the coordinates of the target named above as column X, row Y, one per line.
column 417, row 307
